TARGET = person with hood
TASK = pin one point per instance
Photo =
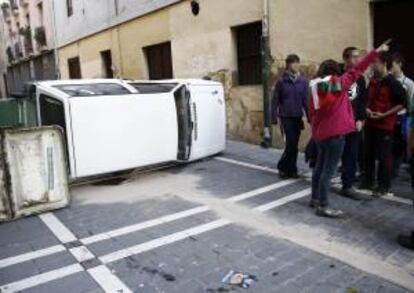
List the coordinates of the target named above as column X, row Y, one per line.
column 331, row 119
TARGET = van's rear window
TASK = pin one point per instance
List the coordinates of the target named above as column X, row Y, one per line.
column 98, row 89
column 153, row 88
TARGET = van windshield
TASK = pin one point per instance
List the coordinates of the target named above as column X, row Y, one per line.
column 153, row 88
column 98, row 89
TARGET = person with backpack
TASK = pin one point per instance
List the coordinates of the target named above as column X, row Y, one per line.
column 332, row 119
column 289, row 105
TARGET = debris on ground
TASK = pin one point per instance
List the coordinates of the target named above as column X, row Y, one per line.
column 240, row 279
column 352, row 290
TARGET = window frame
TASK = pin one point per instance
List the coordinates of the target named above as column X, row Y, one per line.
column 164, row 69
column 248, row 38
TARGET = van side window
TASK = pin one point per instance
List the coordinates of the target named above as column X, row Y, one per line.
column 87, row 90
column 52, row 111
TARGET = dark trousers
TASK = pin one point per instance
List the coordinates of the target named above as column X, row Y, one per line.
column 412, row 172
column 292, row 128
column 399, row 147
column 378, row 146
column 350, row 159
column 329, row 154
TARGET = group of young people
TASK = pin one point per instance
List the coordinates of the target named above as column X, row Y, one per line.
column 359, row 117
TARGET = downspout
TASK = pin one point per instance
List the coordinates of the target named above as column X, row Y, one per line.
column 266, row 59
column 55, row 40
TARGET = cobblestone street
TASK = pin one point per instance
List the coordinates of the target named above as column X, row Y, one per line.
column 183, row 228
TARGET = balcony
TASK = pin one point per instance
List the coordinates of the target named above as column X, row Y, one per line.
column 5, row 9
column 24, row 3
column 18, row 50
column 40, row 36
column 10, row 55
column 26, row 33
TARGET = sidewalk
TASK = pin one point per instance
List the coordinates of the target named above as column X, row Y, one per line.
column 182, row 229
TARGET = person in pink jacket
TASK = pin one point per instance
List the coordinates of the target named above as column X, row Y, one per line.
column 331, row 119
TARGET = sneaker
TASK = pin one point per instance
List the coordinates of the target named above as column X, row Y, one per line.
column 406, row 241
column 324, row 211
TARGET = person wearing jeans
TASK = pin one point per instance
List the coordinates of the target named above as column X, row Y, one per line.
column 289, row 105
column 332, row 119
column 329, row 154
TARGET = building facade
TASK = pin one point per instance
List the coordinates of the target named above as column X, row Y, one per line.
column 206, row 38
column 29, row 41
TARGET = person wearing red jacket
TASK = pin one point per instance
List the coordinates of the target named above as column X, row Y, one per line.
column 386, row 98
column 331, row 119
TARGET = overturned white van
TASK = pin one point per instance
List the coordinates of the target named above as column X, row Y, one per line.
column 114, row 125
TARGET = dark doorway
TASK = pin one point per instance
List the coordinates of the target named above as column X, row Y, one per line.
column 74, row 68
column 107, row 64
column 392, row 20
column 159, row 61
column 248, row 38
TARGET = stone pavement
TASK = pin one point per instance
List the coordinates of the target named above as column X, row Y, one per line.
column 182, row 229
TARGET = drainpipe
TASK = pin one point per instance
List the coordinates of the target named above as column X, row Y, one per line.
column 266, row 59
column 55, row 40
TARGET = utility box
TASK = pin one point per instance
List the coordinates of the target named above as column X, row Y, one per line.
column 33, row 171
column 18, row 112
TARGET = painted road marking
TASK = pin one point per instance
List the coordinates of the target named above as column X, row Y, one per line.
column 41, row 278
column 103, row 276
column 30, row 255
column 58, row 229
column 284, row 200
column 81, row 253
column 68, row 236
column 245, row 164
column 143, row 225
column 165, row 240
column 389, row 197
column 107, row 280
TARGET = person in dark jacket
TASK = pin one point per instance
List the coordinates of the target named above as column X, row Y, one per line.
column 357, row 95
column 289, row 105
column 386, row 98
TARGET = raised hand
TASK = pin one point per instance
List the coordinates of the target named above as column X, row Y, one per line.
column 385, row 47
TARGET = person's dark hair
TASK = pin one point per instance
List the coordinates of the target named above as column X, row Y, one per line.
column 329, row 67
column 347, row 53
column 386, row 58
column 292, row 58
column 398, row 58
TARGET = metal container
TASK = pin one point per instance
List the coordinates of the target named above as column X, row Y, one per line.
column 33, row 173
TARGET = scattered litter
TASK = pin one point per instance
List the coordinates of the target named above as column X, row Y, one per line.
column 332, row 266
column 141, row 285
column 274, row 274
column 240, row 279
